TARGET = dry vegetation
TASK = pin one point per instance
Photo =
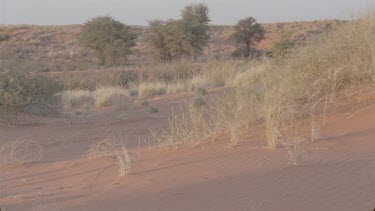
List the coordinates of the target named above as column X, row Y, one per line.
column 19, row 151
column 272, row 93
column 118, row 151
column 277, row 94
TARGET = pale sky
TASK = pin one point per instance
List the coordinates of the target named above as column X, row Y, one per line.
column 137, row 12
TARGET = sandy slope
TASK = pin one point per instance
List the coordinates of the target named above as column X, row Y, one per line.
column 338, row 172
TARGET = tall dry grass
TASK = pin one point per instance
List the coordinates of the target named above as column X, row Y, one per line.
column 187, row 126
column 304, row 85
column 107, row 96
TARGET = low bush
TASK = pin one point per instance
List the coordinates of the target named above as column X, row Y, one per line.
column 19, row 91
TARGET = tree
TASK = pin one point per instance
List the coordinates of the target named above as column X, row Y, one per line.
column 156, row 36
column 111, row 40
column 195, row 19
column 248, row 32
column 177, row 38
column 174, row 39
column 196, row 13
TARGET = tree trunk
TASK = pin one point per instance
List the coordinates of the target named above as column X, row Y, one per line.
column 247, row 55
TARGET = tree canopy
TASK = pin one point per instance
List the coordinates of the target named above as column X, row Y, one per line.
column 247, row 33
column 174, row 39
column 110, row 39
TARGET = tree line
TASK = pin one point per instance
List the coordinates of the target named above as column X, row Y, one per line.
column 168, row 40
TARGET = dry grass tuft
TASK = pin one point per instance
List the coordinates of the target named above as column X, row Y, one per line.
column 152, row 89
column 188, row 127
column 107, row 96
column 20, row 151
column 107, row 147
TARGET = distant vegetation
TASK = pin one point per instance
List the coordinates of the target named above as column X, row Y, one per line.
column 175, row 39
column 247, row 33
column 111, row 40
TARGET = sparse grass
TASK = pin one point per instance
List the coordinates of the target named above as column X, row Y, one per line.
column 118, row 151
column 102, row 97
column 233, row 111
column 19, row 151
column 176, row 87
column 187, row 128
column 198, row 82
column 295, row 149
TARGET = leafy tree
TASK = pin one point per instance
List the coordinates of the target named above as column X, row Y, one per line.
column 111, row 40
column 174, row 39
column 195, row 19
column 247, row 32
column 156, row 36
column 177, row 38
column 196, row 13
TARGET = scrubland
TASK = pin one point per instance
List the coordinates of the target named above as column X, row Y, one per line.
column 226, row 99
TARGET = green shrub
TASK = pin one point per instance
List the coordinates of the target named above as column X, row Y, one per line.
column 19, row 91
column 153, row 110
column 4, row 37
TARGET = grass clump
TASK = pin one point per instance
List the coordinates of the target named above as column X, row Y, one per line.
column 151, row 89
column 118, row 151
column 19, row 151
column 187, row 127
column 107, row 96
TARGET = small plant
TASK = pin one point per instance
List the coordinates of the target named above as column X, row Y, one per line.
column 117, row 151
column 85, row 108
column 295, row 152
column 235, row 134
column 314, row 132
column 153, row 110
column 77, row 113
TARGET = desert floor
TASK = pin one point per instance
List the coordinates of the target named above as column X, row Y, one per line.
column 337, row 172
